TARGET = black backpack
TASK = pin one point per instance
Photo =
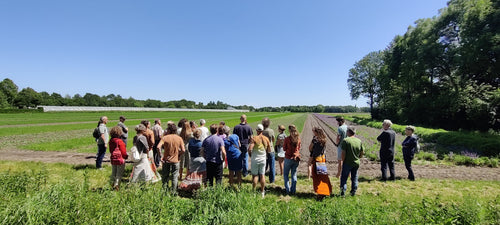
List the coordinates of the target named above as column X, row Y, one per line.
column 96, row 133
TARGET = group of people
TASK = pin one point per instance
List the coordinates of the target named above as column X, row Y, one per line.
column 204, row 151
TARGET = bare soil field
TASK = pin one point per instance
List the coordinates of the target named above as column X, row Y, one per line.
column 368, row 170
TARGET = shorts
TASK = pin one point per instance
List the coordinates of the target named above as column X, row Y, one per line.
column 339, row 153
column 258, row 168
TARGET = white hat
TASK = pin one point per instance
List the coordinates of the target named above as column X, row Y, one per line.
column 260, row 127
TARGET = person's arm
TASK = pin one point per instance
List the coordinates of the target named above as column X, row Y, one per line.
column 337, row 142
column 223, row 150
column 250, row 147
column 182, row 148
column 268, row 148
column 123, row 149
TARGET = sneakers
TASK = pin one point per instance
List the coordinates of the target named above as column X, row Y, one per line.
column 263, row 194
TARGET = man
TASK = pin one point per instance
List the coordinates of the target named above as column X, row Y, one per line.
column 102, row 141
column 258, row 148
column 387, row 139
column 204, row 130
column 173, row 147
column 149, row 134
column 271, row 161
column 158, row 132
column 342, row 133
column 352, row 151
column 121, row 124
column 214, row 153
column 244, row 132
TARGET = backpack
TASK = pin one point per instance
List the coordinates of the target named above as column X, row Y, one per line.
column 96, row 133
column 116, row 156
column 417, row 147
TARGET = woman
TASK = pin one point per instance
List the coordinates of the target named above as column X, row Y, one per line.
column 232, row 145
column 142, row 171
column 292, row 157
column 257, row 150
column 409, row 149
column 118, row 153
column 280, row 140
column 197, row 167
column 321, row 182
column 186, row 134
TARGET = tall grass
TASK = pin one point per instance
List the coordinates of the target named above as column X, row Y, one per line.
column 41, row 193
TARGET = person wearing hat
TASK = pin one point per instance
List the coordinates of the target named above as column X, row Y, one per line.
column 121, row 124
column 342, row 133
column 258, row 149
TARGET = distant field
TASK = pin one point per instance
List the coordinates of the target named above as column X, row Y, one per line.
column 71, row 131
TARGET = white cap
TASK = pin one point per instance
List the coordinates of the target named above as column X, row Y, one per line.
column 260, row 127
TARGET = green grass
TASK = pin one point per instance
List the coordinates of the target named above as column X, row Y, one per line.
column 43, row 193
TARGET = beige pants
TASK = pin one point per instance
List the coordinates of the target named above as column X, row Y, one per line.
column 117, row 174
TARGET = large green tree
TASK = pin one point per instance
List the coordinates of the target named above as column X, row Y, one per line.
column 363, row 77
column 9, row 90
column 27, row 98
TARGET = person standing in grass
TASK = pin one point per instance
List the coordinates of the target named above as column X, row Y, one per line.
column 185, row 134
column 352, row 151
column 244, row 132
column 142, row 171
column 118, row 152
column 342, row 133
column 204, row 130
column 197, row 168
column 409, row 149
column 121, row 124
column 102, row 141
column 270, row 162
column 173, row 147
column 292, row 158
column 387, row 139
column 321, row 181
column 157, row 134
column 214, row 153
column 258, row 149
column 232, row 146
column 279, row 147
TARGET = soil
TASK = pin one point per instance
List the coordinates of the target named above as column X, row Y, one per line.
column 368, row 169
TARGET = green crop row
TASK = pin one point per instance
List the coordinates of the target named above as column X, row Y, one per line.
column 39, row 193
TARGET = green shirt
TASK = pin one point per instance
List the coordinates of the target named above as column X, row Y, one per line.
column 352, row 147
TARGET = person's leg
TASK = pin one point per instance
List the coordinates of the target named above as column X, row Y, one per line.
column 120, row 169
column 343, row 179
column 383, row 166
column 407, row 159
column 175, row 175
column 390, row 163
column 165, row 173
column 286, row 173
column 339, row 160
column 218, row 173
column 255, row 179
column 156, row 155
column 210, row 174
column 101, row 151
column 231, row 178
column 244, row 153
column 354, row 180
column 295, row 164
column 262, row 182
column 112, row 178
column 281, row 161
column 272, row 167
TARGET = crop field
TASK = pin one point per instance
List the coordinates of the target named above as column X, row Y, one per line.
column 71, row 190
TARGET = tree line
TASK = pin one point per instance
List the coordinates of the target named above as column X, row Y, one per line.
column 11, row 97
column 443, row 72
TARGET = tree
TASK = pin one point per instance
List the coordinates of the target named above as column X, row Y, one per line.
column 27, row 98
column 9, row 89
column 363, row 77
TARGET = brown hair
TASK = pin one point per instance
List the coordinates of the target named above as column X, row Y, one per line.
column 320, row 135
column 266, row 122
column 186, row 131
column 116, row 132
column 213, row 128
column 171, row 128
column 197, row 133
column 294, row 134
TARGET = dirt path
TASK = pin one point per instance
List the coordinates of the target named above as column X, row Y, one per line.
column 368, row 169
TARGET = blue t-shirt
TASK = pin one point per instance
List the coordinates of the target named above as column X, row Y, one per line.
column 342, row 130
column 194, row 147
column 232, row 151
column 211, row 146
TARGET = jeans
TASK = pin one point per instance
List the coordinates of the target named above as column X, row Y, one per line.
column 244, row 152
column 346, row 169
column 407, row 158
column 170, row 171
column 214, row 170
column 387, row 160
column 101, row 151
column 270, row 163
column 292, row 165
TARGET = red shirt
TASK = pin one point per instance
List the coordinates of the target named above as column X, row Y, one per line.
column 117, row 141
column 291, row 151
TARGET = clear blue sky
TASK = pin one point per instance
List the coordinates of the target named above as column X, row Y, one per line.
column 253, row 52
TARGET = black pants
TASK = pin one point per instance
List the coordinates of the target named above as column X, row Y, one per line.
column 214, row 170
column 387, row 160
column 408, row 158
column 156, row 155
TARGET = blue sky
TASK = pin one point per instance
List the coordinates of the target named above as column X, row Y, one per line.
column 253, row 52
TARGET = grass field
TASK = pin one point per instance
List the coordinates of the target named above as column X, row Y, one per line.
column 42, row 193
column 71, row 131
